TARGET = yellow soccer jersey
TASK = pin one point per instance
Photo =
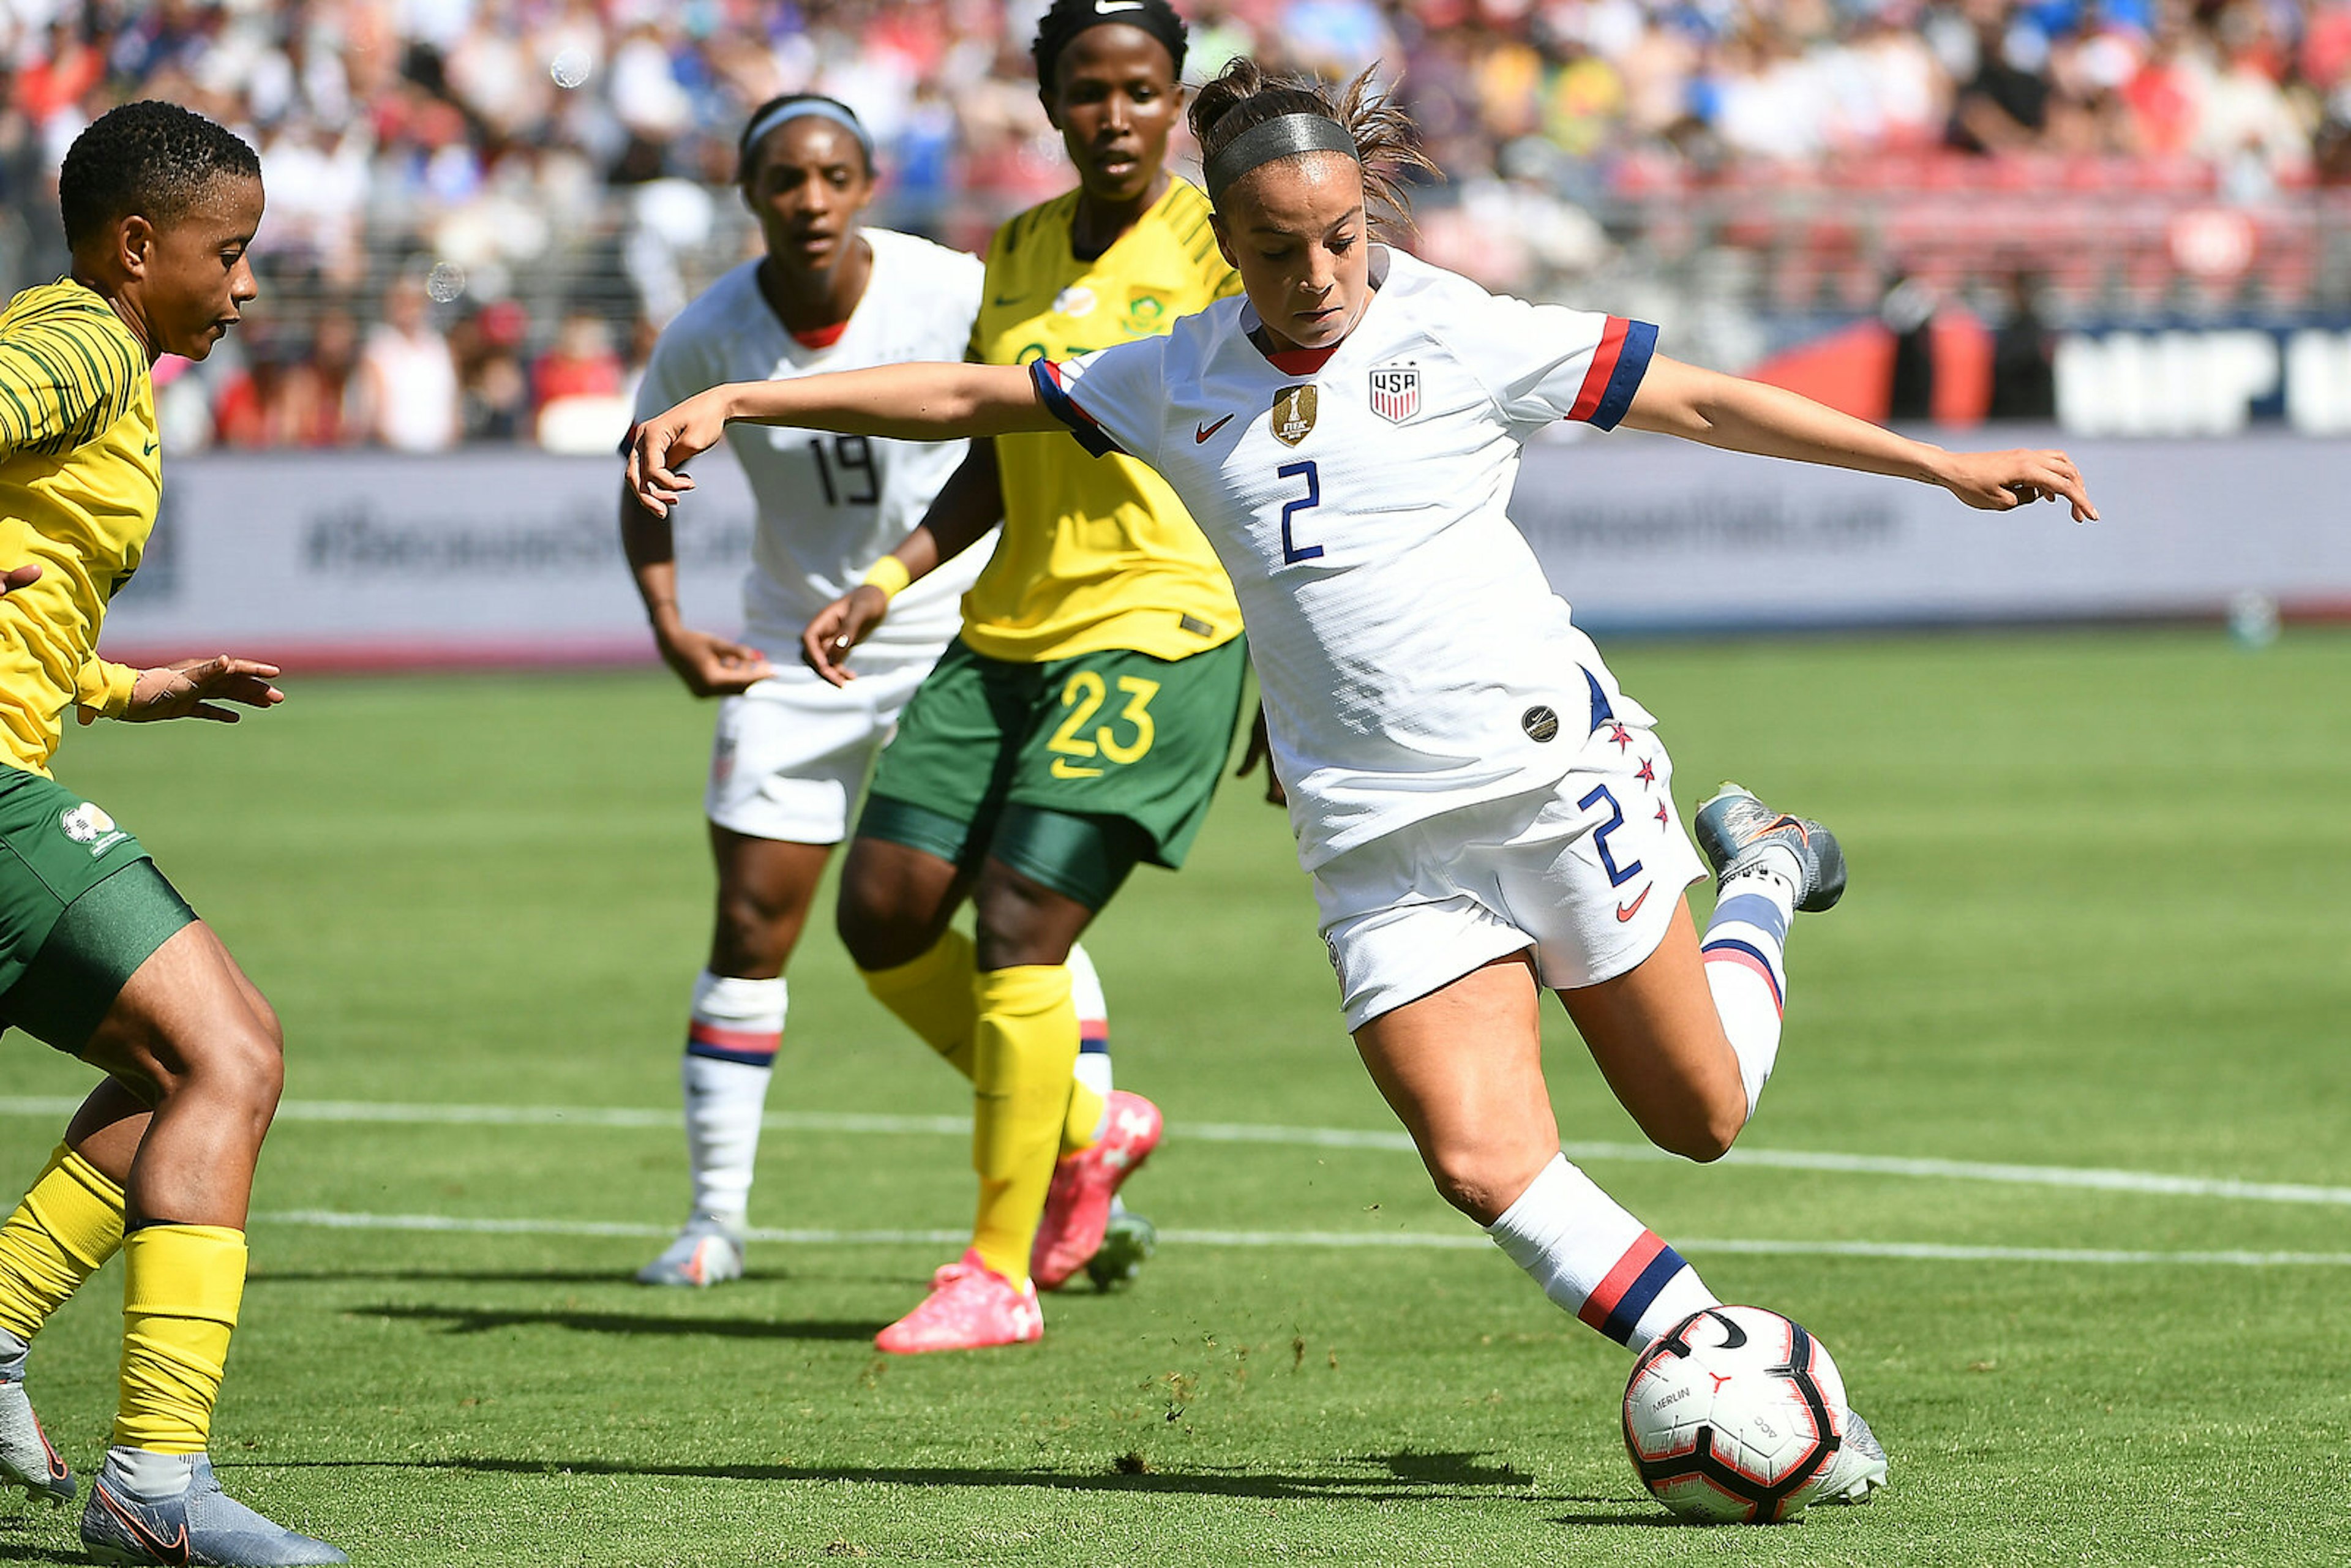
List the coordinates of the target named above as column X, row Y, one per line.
column 79, row 481
column 1097, row 552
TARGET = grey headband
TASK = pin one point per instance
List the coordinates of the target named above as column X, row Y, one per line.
column 1284, row 136
column 823, row 109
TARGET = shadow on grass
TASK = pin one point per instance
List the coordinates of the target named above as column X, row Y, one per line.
column 1409, row 1477
column 447, row 1277
column 917, row 1279
column 17, row 1531
column 468, row 1320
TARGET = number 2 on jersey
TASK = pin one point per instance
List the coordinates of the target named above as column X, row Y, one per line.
column 855, row 454
column 1290, row 554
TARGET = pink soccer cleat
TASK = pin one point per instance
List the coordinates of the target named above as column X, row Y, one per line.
column 1077, row 1207
column 970, row 1307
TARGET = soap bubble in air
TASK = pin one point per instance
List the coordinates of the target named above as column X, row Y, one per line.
column 571, row 68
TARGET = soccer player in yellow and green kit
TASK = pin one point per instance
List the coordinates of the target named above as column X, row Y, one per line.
column 99, row 955
column 1076, row 727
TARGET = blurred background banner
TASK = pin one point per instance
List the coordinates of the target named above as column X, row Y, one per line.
column 367, row 561
column 1669, row 535
column 512, row 556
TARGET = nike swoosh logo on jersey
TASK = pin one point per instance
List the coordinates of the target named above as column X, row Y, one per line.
column 1627, row 911
column 1113, row 7
column 148, row 450
column 1202, row 432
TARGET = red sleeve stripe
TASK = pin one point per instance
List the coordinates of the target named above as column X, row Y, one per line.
column 1602, row 370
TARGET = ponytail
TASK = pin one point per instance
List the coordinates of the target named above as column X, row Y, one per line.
column 1386, row 142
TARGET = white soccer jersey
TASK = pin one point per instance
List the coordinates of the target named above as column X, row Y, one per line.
column 829, row 505
column 1413, row 656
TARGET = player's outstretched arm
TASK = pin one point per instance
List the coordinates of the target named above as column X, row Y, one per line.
column 913, row 402
column 195, row 688
column 1741, row 415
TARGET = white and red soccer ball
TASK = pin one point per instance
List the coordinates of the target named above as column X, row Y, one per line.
column 1735, row 1414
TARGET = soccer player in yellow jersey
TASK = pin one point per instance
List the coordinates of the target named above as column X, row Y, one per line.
column 99, row 955
column 1078, row 725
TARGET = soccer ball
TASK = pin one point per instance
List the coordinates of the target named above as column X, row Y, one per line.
column 1734, row 1416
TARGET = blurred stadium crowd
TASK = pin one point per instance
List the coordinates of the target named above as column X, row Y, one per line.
column 481, row 210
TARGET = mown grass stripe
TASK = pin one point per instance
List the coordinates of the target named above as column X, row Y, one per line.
column 1450, row 1241
column 2153, row 1183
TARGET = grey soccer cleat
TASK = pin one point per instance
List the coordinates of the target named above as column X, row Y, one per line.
column 27, row 1461
column 1858, row 1471
column 1737, row 831
column 200, row 1524
column 1128, row 1242
column 709, row 1251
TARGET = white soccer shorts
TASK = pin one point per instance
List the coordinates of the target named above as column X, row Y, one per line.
column 792, row 752
column 1587, row 872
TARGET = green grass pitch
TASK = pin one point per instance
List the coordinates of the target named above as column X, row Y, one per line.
column 2100, row 893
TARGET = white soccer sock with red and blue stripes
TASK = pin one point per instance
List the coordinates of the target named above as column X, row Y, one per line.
column 1092, row 1068
column 1745, row 953
column 1595, row 1260
column 731, row 1041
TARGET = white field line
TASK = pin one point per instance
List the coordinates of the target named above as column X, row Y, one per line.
column 2145, row 1182
column 1448, row 1241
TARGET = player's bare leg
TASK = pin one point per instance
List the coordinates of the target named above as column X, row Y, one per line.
column 1462, row 1068
column 190, row 1035
column 1658, row 1040
column 766, row 887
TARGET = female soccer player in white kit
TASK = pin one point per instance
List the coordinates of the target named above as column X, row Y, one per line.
column 791, row 749
column 1483, row 811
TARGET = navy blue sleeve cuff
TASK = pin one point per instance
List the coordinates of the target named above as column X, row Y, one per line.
column 1047, row 376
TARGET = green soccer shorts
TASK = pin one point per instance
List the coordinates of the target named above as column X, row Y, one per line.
column 81, row 907
column 994, row 758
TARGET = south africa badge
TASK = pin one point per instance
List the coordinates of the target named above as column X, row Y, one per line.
column 1396, row 393
column 1293, row 415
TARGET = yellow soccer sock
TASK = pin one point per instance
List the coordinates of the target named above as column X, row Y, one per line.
column 932, row 996
column 69, row 1224
column 1081, row 1123
column 183, row 1286
column 1025, row 1045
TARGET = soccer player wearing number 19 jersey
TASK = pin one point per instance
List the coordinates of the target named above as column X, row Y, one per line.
column 791, row 751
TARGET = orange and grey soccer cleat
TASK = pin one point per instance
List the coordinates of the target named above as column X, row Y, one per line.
column 1738, row 833
column 970, row 1307
column 709, row 1251
column 26, row 1459
column 199, row 1523
column 1077, row 1205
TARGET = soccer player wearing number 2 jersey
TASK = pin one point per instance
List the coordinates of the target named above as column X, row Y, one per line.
column 1484, row 811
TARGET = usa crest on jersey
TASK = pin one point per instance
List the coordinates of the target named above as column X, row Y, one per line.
column 1396, row 393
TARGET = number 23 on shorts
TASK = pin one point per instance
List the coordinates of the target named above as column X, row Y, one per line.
column 1083, row 698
